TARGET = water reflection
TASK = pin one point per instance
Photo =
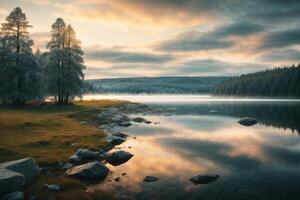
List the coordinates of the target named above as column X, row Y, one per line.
column 276, row 114
column 258, row 162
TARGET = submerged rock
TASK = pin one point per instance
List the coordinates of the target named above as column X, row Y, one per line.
column 89, row 171
column 247, row 121
column 119, row 157
column 117, row 179
column 150, row 179
column 203, row 179
column 17, row 195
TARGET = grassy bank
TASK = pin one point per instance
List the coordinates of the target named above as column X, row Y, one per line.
column 51, row 134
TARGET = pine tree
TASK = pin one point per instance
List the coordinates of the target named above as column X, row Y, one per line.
column 19, row 69
column 64, row 69
column 56, row 63
column 73, row 76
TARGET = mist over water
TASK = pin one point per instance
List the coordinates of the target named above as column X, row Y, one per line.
column 197, row 135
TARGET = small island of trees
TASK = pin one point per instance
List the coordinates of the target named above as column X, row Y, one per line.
column 25, row 76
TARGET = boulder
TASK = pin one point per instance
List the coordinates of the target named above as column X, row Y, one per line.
column 247, row 121
column 138, row 119
column 117, row 140
column 203, row 179
column 89, row 171
column 17, row 195
column 67, row 166
column 150, row 179
column 75, row 159
column 119, row 157
column 120, row 134
column 26, row 167
column 10, row 181
column 86, row 154
column 125, row 124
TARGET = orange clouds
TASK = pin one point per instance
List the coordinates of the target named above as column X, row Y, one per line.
column 139, row 13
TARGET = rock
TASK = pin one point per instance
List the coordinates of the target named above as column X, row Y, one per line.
column 147, row 122
column 125, row 124
column 247, row 122
column 17, row 195
column 26, row 167
column 89, row 171
column 138, row 119
column 86, row 154
column 10, row 181
column 117, row 179
column 203, row 179
column 75, row 159
column 52, row 187
column 150, row 179
column 119, row 157
column 66, row 166
column 123, row 174
column 31, row 197
column 117, row 118
column 117, row 140
column 120, row 134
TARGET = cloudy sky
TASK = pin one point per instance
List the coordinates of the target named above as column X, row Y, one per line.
column 126, row 38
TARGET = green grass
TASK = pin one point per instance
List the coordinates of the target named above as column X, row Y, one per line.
column 46, row 133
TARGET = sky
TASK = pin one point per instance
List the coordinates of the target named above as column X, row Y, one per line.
column 130, row 38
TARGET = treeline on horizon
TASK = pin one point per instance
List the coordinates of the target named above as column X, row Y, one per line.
column 278, row 82
column 156, row 85
column 26, row 76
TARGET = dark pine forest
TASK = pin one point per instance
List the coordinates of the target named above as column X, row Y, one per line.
column 276, row 82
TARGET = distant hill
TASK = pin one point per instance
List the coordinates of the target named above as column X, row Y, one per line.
column 176, row 85
column 278, row 82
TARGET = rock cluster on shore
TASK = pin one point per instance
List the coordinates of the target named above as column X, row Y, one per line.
column 14, row 175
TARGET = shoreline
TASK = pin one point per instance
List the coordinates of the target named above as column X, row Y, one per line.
column 54, row 174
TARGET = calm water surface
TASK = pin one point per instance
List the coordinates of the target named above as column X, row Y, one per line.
column 202, row 136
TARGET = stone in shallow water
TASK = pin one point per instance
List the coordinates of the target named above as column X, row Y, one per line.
column 117, row 140
column 119, row 157
column 17, row 195
column 125, row 124
column 150, row 179
column 89, row 171
column 138, row 119
column 247, row 121
column 120, row 134
column 203, row 179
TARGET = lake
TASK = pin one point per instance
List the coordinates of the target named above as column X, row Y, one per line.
column 200, row 135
